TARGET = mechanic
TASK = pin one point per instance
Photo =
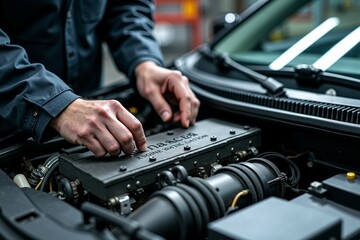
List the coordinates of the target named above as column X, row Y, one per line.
column 50, row 59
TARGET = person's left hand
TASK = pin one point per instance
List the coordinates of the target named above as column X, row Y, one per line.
column 154, row 83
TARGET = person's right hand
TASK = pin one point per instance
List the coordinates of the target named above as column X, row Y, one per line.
column 103, row 126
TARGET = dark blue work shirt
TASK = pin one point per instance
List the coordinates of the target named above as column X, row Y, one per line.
column 50, row 54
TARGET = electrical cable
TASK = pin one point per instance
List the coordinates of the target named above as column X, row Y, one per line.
column 38, row 185
column 261, row 177
column 236, row 198
column 243, row 179
column 50, row 186
column 273, row 168
column 254, row 179
column 51, row 160
column 220, row 202
column 188, row 206
column 291, row 181
column 48, row 175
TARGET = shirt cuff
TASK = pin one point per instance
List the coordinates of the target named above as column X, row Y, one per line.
column 137, row 61
column 48, row 112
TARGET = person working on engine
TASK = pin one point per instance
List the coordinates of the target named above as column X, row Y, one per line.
column 50, row 57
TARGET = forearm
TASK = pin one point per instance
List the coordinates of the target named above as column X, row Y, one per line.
column 30, row 95
column 128, row 27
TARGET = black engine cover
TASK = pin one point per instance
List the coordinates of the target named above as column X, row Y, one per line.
column 200, row 145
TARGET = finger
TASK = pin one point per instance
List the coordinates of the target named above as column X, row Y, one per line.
column 88, row 139
column 160, row 105
column 182, row 92
column 185, row 112
column 195, row 108
column 177, row 117
column 116, row 136
column 190, row 109
column 95, row 147
column 134, row 132
column 113, row 144
column 99, row 138
column 111, row 134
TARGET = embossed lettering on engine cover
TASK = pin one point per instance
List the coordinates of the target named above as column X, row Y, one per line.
column 200, row 145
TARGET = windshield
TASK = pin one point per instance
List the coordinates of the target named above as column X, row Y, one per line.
column 285, row 33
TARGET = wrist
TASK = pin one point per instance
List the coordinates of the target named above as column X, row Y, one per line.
column 142, row 68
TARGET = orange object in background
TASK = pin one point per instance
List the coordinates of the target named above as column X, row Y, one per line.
column 185, row 12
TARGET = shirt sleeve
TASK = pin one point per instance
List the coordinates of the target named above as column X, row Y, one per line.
column 128, row 30
column 30, row 95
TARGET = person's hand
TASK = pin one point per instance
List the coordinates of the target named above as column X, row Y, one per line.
column 154, row 83
column 103, row 126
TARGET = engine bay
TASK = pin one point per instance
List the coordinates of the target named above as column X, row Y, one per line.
column 227, row 177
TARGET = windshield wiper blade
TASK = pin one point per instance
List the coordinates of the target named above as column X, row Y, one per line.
column 273, row 87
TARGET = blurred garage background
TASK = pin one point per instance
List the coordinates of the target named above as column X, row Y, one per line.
column 180, row 26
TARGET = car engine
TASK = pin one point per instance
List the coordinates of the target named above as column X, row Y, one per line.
column 227, row 177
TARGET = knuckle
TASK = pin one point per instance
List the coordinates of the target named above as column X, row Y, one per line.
column 99, row 152
column 188, row 97
column 92, row 123
column 148, row 91
column 99, row 110
column 105, row 110
column 176, row 73
column 113, row 149
column 114, row 103
column 136, row 125
column 185, row 80
column 177, row 76
column 196, row 103
column 83, row 133
column 128, row 145
column 126, row 139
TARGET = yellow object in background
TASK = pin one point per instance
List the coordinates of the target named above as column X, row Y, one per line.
column 189, row 8
column 350, row 176
column 133, row 110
